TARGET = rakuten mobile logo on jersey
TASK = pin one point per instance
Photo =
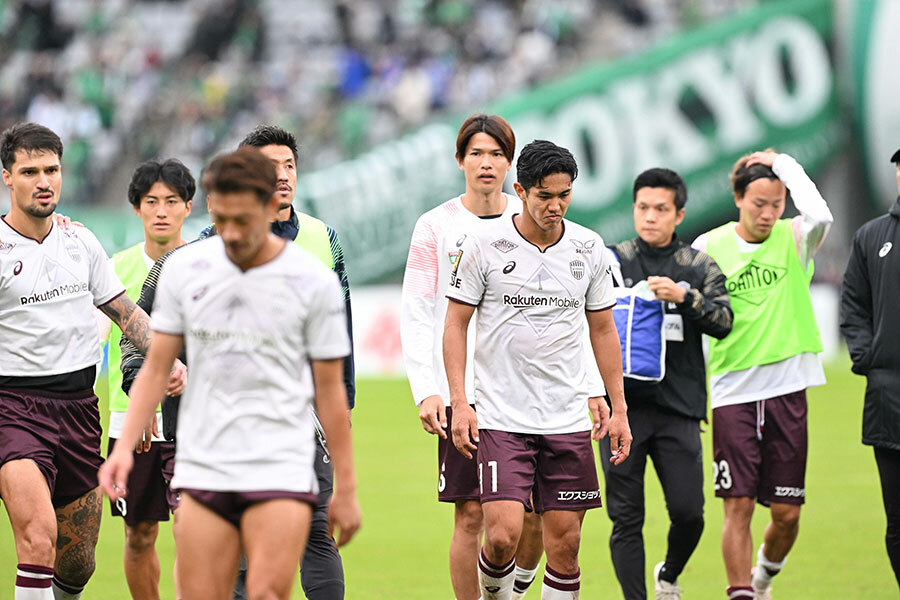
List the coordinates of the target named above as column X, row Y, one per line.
column 520, row 301
column 754, row 281
column 67, row 289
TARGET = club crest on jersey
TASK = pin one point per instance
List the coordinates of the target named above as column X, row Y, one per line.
column 5, row 247
column 881, row 253
column 584, row 247
column 577, row 268
column 73, row 251
column 504, row 245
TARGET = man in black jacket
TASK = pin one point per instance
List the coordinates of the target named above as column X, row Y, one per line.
column 665, row 416
column 870, row 323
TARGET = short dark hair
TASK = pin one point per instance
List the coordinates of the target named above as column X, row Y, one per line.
column 171, row 172
column 268, row 135
column 244, row 170
column 29, row 137
column 541, row 158
column 742, row 176
column 493, row 125
column 662, row 178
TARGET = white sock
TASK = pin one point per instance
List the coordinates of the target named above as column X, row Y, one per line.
column 765, row 568
column 560, row 586
column 496, row 580
column 63, row 590
column 524, row 578
column 33, row 582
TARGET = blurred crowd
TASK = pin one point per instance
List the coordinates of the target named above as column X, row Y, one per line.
column 124, row 80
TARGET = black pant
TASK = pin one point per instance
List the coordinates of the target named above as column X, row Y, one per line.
column 321, row 570
column 673, row 442
column 889, row 470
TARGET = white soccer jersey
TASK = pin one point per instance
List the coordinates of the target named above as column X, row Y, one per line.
column 244, row 422
column 48, row 293
column 530, row 360
column 432, row 253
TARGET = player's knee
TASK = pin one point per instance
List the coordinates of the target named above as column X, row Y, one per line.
column 468, row 518
column 266, row 590
column 501, row 543
column 686, row 515
column 77, row 572
column 786, row 517
column 37, row 546
column 532, row 524
column 141, row 538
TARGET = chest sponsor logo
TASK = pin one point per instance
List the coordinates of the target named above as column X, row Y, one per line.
column 542, row 299
column 577, row 269
column 504, row 245
column 5, row 247
column 584, row 247
column 885, row 249
column 67, row 289
column 753, row 282
column 509, row 267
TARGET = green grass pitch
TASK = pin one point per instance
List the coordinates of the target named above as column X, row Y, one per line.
column 401, row 551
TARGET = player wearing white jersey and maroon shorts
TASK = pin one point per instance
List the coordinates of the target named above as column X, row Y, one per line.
column 50, row 282
column 485, row 147
column 533, row 278
column 264, row 325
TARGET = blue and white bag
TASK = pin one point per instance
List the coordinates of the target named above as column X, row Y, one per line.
column 639, row 319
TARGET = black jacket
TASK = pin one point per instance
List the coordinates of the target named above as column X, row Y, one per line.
column 870, row 322
column 706, row 309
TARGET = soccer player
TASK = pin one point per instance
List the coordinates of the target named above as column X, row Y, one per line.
column 665, row 417
column 160, row 194
column 321, row 572
column 870, row 322
column 485, row 146
column 50, row 281
column 264, row 327
column 533, row 278
column 759, row 372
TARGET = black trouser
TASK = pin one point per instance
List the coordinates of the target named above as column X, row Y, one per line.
column 889, row 470
column 321, row 571
column 673, row 442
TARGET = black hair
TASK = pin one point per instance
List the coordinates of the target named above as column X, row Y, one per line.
column 29, row 137
column 662, row 178
column 244, row 170
column 268, row 135
column 541, row 158
column 742, row 175
column 171, row 172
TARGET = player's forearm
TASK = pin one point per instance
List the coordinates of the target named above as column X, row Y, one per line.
column 147, row 392
column 455, row 362
column 330, row 400
column 417, row 341
column 131, row 319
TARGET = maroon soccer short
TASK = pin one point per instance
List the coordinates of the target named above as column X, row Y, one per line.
column 59, row 432
column 149, row 497
column 759, row 450
column 232, row 505
column 557, row 471
column 457, row 475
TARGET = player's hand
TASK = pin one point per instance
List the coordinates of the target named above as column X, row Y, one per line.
column 666, row 289
column 177, row 379
column 433, row 415
column 143, row 443
column 599, row 417
column 465, row 430
column 766, row 157
column 113, row 475
column 619, row 438
column 345, row 515
column 64, row 222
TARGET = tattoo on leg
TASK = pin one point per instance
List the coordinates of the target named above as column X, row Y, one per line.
column 78, row 525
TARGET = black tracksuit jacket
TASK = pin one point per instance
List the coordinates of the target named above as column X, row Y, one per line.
column 706, row 309
column 870, row 322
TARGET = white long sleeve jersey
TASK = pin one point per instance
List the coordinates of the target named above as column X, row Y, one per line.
column 432, row 250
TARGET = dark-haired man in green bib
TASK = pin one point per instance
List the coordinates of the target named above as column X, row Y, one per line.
column 759, row 372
